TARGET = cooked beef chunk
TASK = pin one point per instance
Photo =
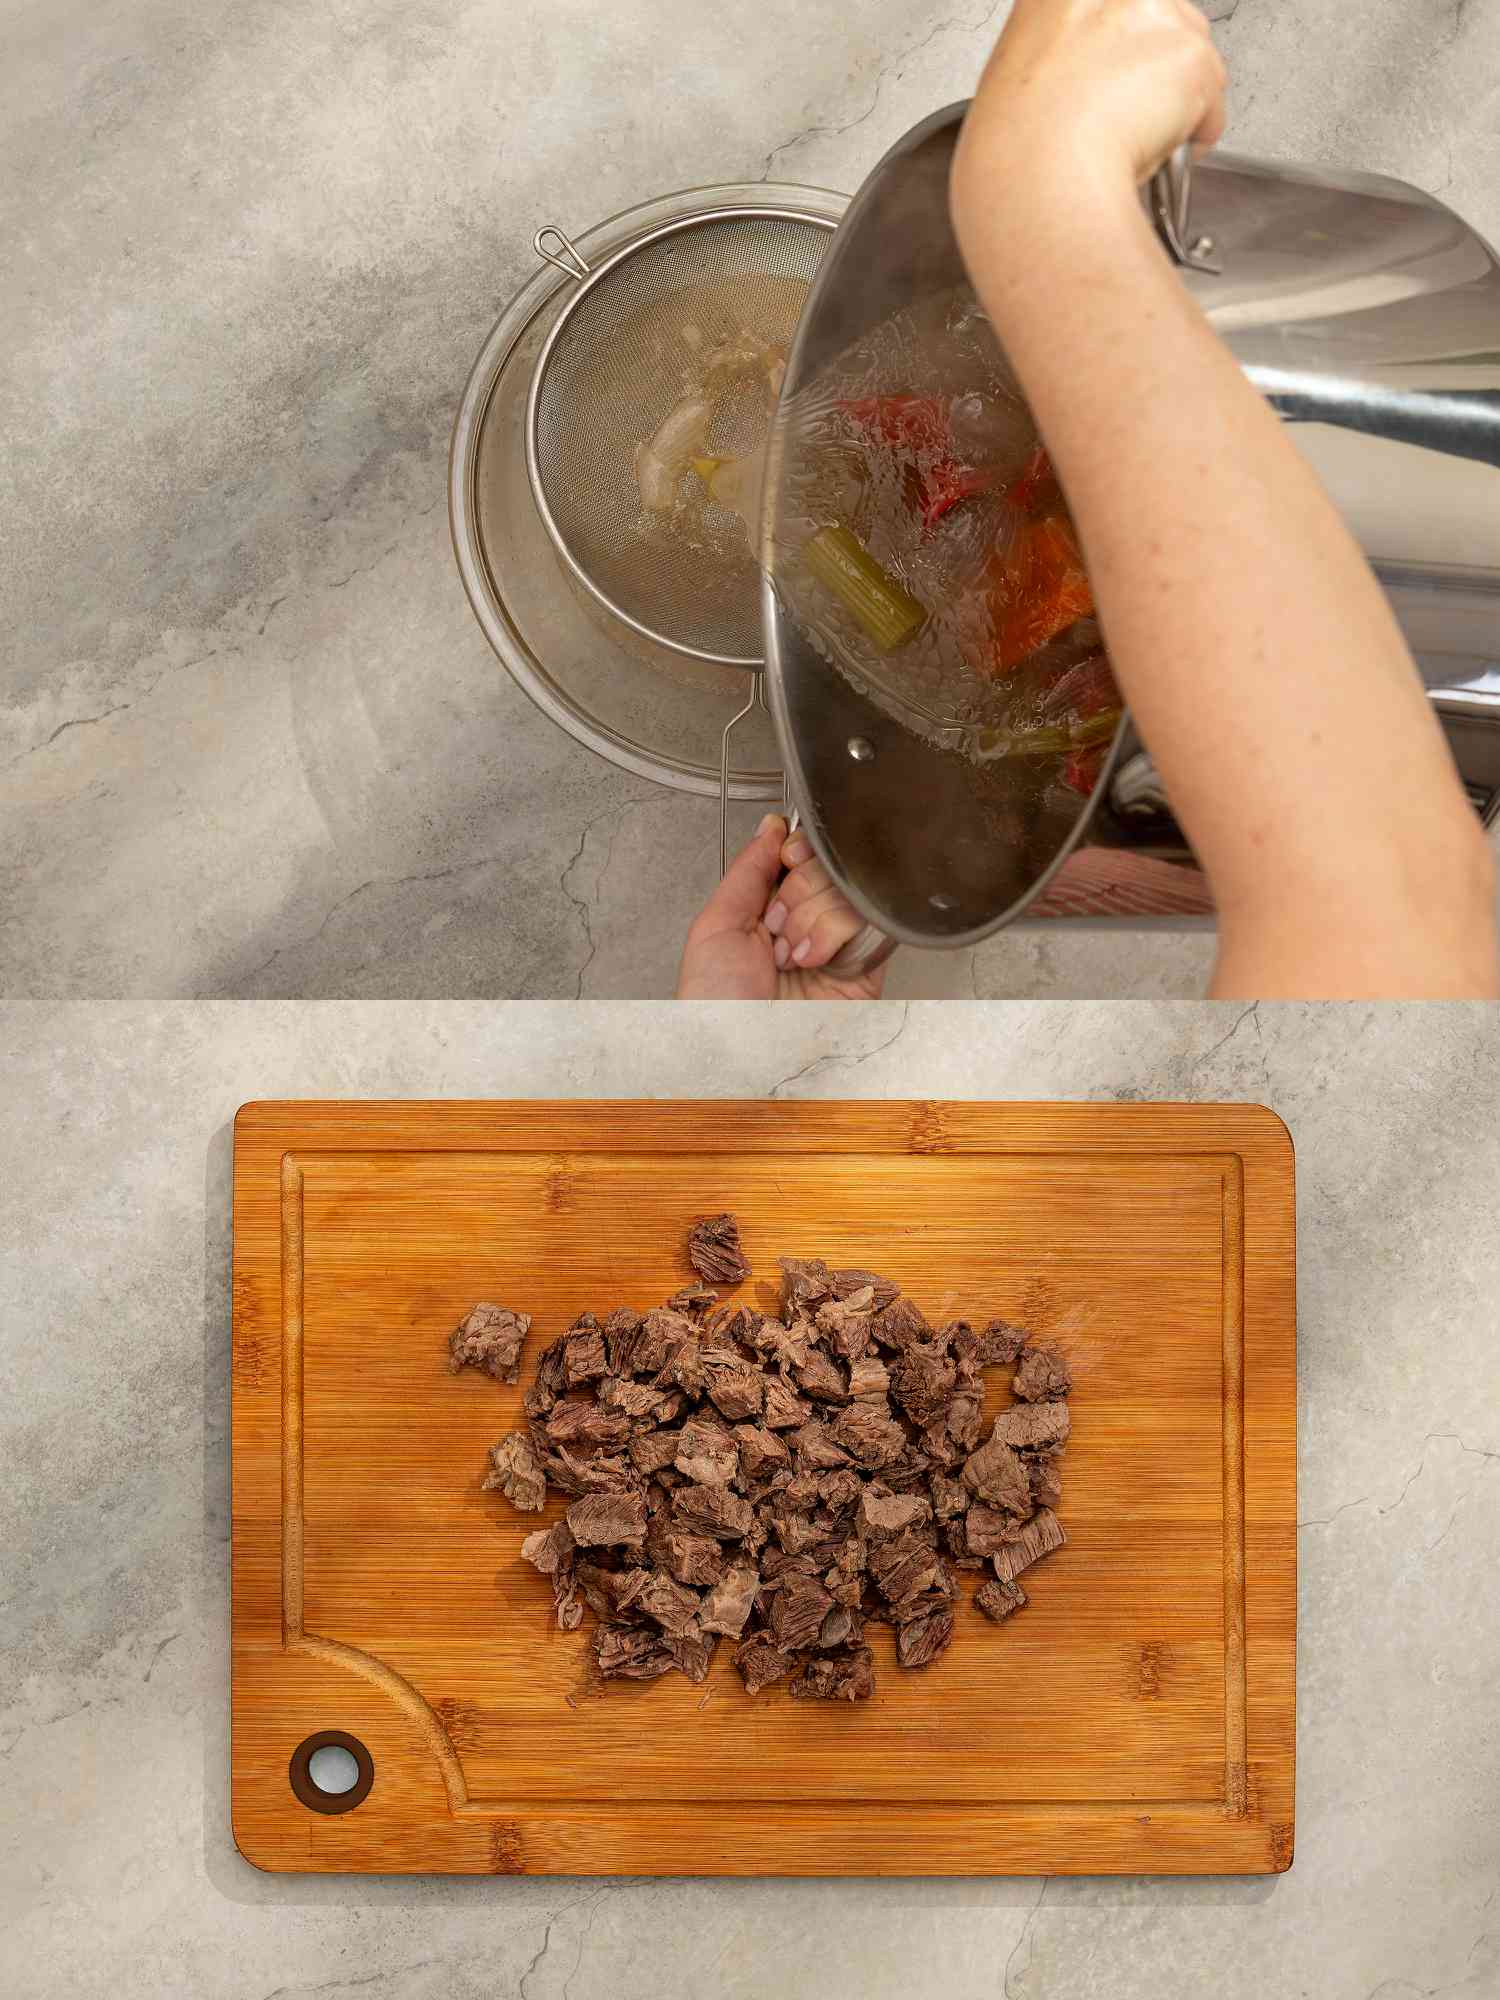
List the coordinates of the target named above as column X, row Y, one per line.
column 1040, row 1536
column 903, row 1566
column 694, row 1559
column 841, row 1676
column 728, row 1605
column 692, row 1653
column 737, row 1389
column 1042, row 1376
column 714, row 1251
column 1000, row 1344
column 516, row 1470
column 846, row 1324
column 667, row 1604
column 633, row 1399
column 713, row 1510
column 986, row 1529
column 899, row 1325
column 999, row 1600
column 694, row 1300
column 869, row 1379
column 777, row 1482
column 1033, row 1426
column 806, row 1282
column 821, row 1378
column 706, row 1453
column 587, row 1427
column 814, row 1449
column 491, row 1338
column 995, row 1473
column 608, row 1520
column 584, row 1358
column 761, row 1661
column 922, row 1382
column 797, row 1612
column 1046, row 1479
column 919, row 1642
column 651, row 1451
column 869, row 1434
column 550, row 1549
column 882, row 1515
column 783, row 1411
column 760, row 1451
column 632, row 1652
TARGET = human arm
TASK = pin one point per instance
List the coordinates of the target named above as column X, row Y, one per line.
column 1259, row 656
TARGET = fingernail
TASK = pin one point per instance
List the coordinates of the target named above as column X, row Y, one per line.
column 798, row 850
column 780, row 953
column 770, row 820
column 802, row 950
column 776, row 918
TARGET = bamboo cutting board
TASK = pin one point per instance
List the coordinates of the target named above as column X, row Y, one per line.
column 1137, row 1717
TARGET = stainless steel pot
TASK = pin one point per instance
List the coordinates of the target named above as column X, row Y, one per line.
column 1366, row 311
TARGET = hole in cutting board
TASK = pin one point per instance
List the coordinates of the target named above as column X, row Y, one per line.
column 331, row 1772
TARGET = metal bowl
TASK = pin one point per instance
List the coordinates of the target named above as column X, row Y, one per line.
column 643, row 706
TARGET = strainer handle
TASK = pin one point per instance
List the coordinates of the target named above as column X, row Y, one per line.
column 1171, row 211
column 567, row 258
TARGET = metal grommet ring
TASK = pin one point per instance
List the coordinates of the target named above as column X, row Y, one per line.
column 312, row 1795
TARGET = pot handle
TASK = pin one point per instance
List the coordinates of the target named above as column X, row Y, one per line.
column 1171, row 211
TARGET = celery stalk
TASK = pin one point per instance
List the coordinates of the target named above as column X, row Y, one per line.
column 887, row 611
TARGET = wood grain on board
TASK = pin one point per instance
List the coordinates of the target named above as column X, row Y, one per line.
column 1137, row 1717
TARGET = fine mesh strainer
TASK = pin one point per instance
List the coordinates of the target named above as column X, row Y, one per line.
column 625, row 350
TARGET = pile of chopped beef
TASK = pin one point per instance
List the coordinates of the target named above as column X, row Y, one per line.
column 780, row 1483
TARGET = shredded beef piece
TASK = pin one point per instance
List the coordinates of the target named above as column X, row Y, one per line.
column 735, row 1388
column 728, row 1605
column 783, row 1411
column 631, row 1653
column 1040, row 1536
column 995, row 1473
column 706, row 1453
column 777, row 1482
column 694, row 1300
column 491, row 1338
column 919, row 1642
column 899, row 1325
column 694, row 1559
column 842, row 1676
column 761, row 1661
column 608, row 1520
column 651, row 1451
column 714, row 1251
column 760, row 1451
column 1001, row 1343
column 668, row 1604
column 1033, row 1426
column 713, row 1510
column 882, row 1515
column 821, row 1378
column 1042, row 1376
column 798, row 1611
column 999, row 1600
column 550, row 1549
column 1046, row 1479
column 516, row 1470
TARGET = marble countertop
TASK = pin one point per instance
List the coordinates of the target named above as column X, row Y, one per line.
column 118, row 1876
column 253, row 742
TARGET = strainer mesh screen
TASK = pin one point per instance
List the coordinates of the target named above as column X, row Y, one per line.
column 629, row 352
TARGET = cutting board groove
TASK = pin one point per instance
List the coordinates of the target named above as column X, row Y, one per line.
column 1138, row 1717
